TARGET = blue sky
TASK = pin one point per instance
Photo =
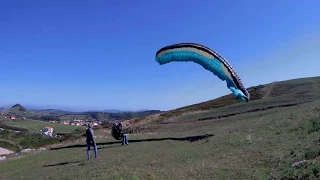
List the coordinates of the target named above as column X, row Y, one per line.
column 80, row 55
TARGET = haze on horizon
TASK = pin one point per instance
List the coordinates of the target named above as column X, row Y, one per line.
column 78, row 55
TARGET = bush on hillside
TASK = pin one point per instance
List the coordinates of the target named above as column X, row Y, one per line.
column 9, row 146
column 107, row 124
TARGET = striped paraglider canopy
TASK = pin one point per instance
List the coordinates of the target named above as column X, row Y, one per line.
column 209, row 60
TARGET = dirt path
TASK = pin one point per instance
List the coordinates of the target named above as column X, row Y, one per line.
column 269, row 90
column 5, row 151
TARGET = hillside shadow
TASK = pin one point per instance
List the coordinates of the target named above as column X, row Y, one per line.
column 60, row 164
column 189, row 138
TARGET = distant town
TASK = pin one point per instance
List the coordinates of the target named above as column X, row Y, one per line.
column 47, row 130
column 75, row 122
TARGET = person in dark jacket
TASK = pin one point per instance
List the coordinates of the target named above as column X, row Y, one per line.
column 91, row 141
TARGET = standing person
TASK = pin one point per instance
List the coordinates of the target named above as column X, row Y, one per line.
column 91, row 141
column 124, row 136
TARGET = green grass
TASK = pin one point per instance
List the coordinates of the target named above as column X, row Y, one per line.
column 251, row 144
column 7, row 145
column 296, row 90
column 36, row 126
column 257, row 145
column 25, row 140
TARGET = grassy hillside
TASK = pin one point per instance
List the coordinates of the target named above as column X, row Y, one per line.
column 212, row 140
column 7, row 145
column 273, row 95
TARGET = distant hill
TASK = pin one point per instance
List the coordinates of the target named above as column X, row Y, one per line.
column 59, row 111
column 55, row 111
column 142, row 110
column 57, row 114
column 17, row 107
column 112, row 111
column 130, row 115
column 121, row 111
column 116, row 116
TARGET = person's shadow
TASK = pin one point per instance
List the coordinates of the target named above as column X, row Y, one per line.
column 189, row 138
column 61, row 164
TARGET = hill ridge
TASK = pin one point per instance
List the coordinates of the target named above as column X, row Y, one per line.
column 290, row 92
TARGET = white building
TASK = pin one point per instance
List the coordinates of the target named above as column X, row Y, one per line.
column 48, row 131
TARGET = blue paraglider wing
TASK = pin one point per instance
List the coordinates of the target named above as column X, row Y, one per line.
column 208, row 59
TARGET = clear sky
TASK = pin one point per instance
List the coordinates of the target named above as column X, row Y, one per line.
column 84, row 55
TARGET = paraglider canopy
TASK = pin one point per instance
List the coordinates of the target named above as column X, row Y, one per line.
column 209, row 60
